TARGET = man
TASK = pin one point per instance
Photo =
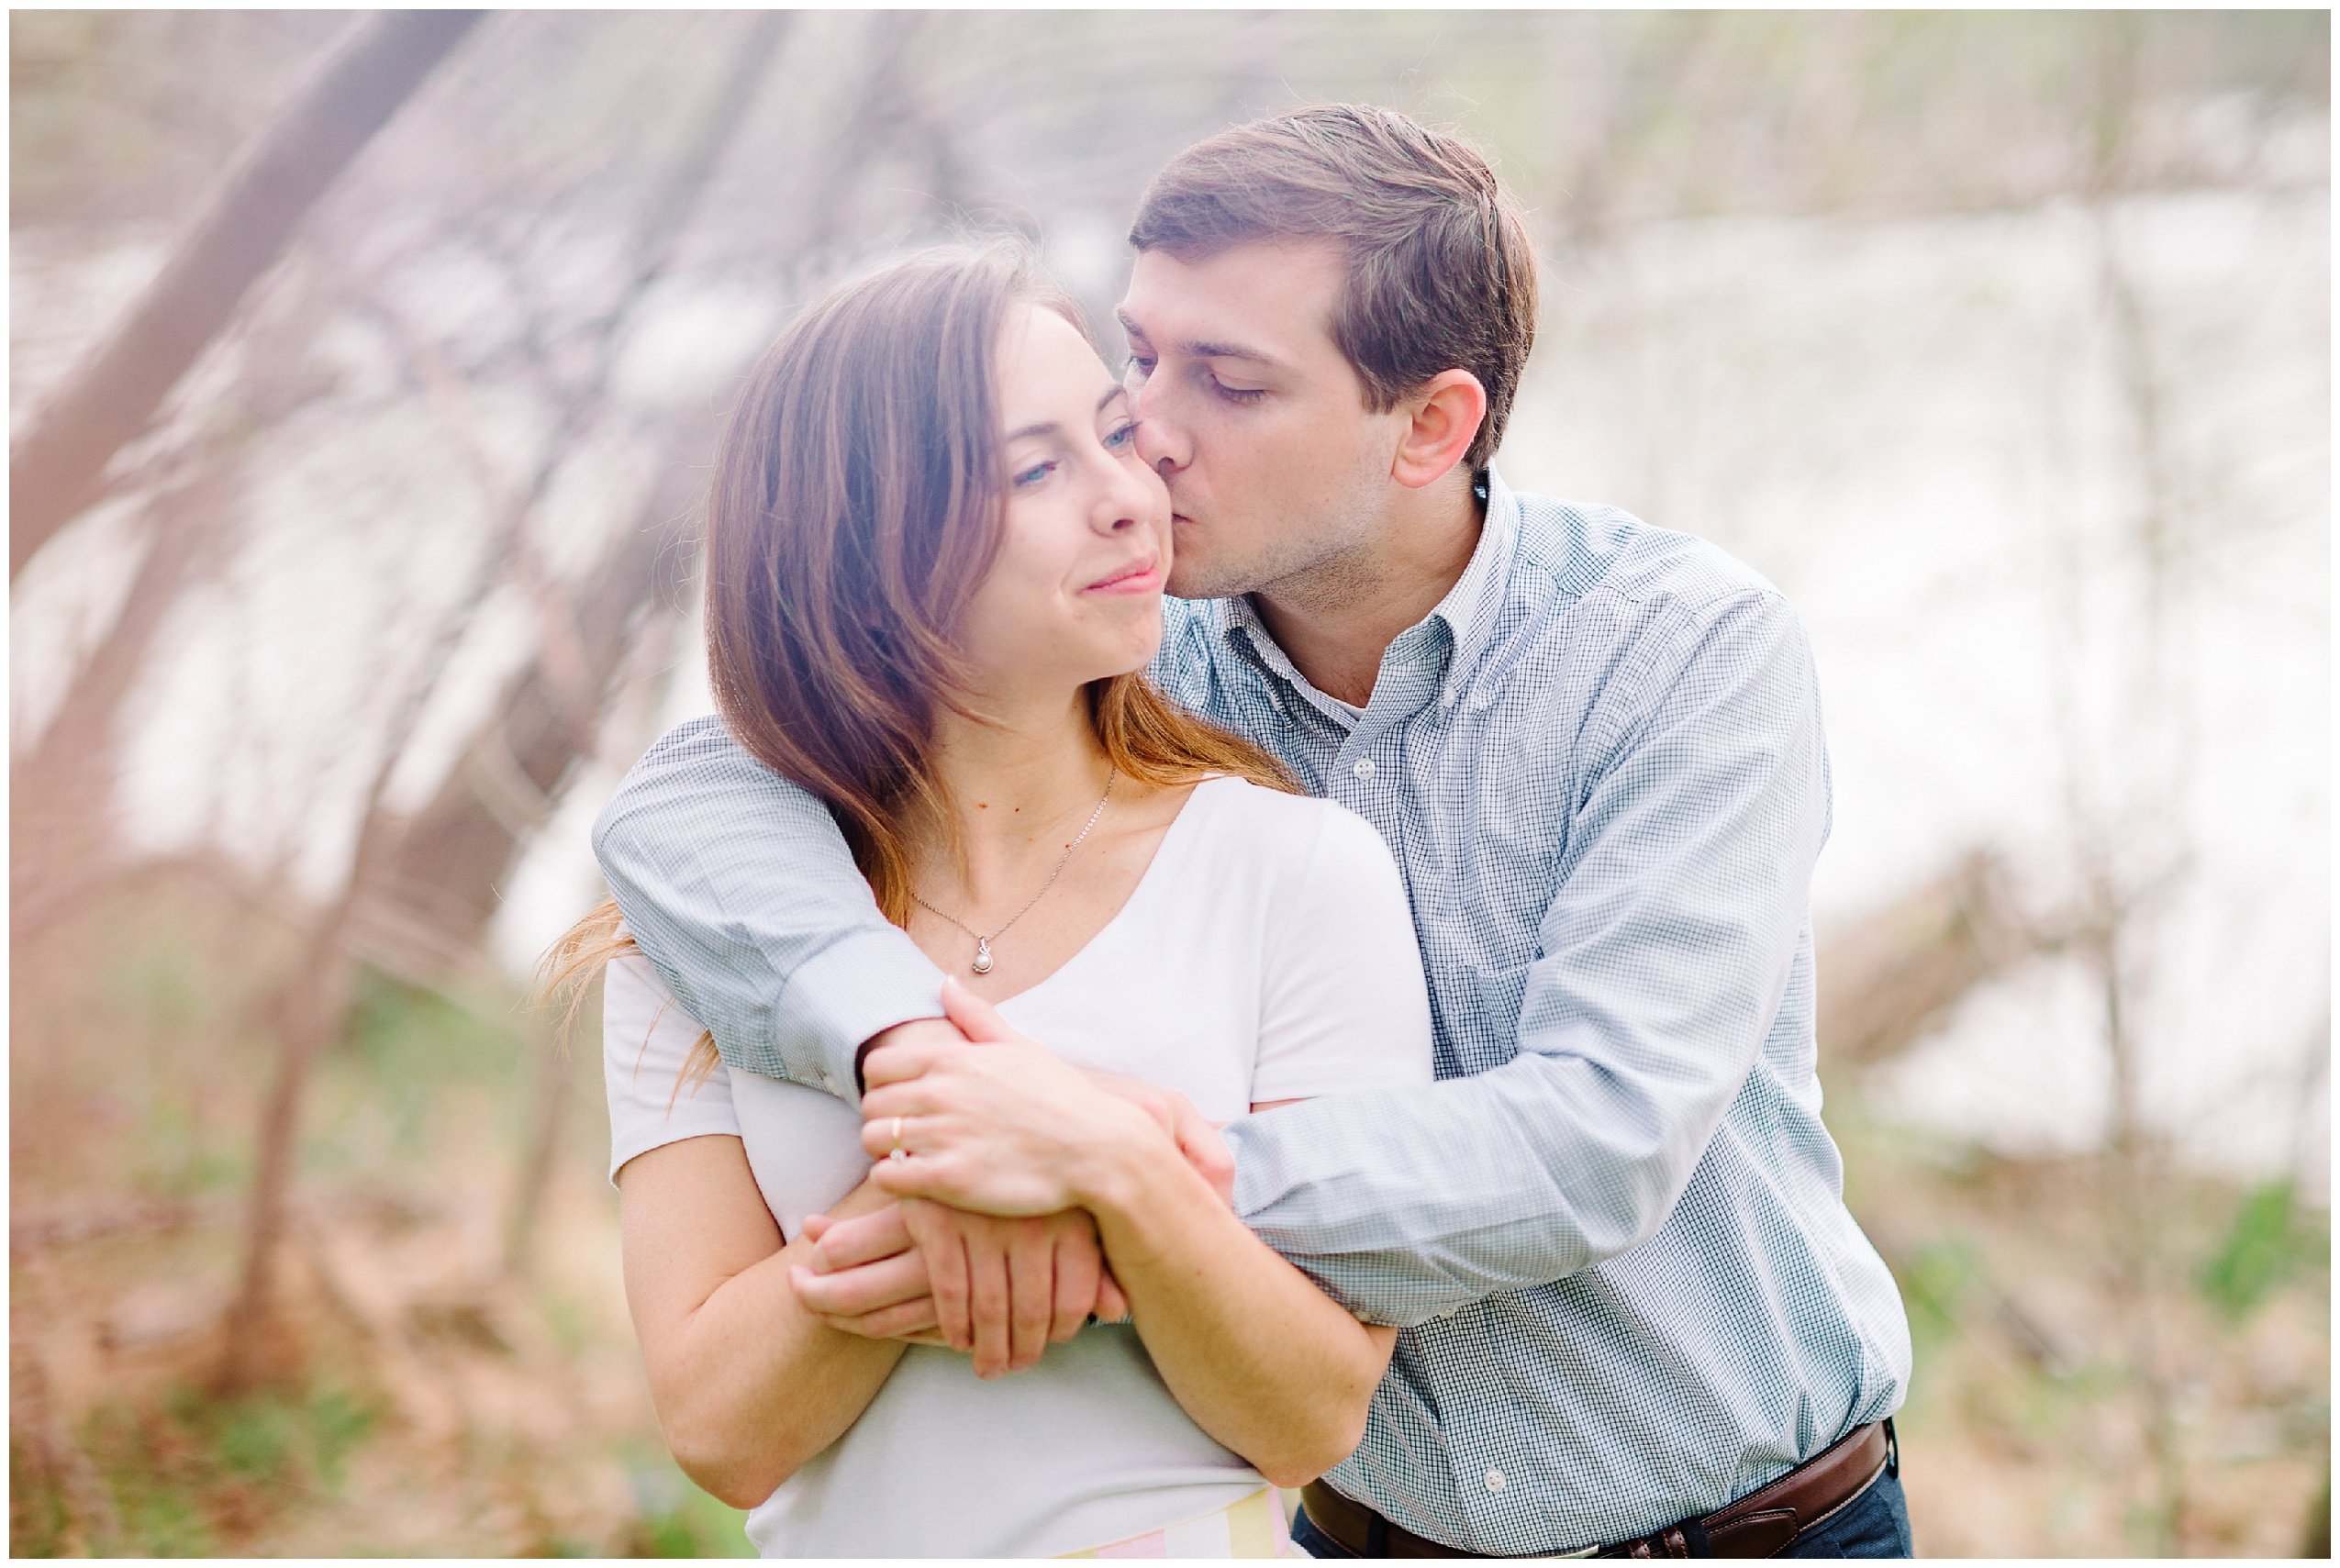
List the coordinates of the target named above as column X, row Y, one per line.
column 1638, row 1317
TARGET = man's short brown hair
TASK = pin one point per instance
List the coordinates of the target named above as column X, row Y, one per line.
column 1441, row 275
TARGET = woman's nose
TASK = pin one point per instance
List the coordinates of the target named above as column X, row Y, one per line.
column 1133, row 497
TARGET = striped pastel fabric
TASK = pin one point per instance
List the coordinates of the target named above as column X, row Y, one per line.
column 1253, row 1528
column 1613, row 1230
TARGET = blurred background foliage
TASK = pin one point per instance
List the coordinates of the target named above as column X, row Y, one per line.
column 311, row 1249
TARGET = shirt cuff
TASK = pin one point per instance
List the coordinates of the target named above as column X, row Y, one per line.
column 1255, row 1186
column 853, row 989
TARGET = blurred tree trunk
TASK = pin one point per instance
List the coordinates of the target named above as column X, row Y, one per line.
column 61, row 834
column 548, row 717
column 309, row 1012
column 549, row 1099
column 445, row 880
column 59, row 796
column 2132, row 847
column 243, row 229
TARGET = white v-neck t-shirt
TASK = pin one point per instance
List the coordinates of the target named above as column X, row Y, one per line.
column 1268, row 953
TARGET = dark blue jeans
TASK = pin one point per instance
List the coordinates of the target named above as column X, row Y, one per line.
column 1876, row 1524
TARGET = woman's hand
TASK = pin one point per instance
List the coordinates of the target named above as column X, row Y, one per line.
column 1005, row 1128
column 867, row 1276
column 918, row 1271
column 1197, row 1140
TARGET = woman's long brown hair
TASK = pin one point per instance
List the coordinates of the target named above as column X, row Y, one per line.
column 857, row 503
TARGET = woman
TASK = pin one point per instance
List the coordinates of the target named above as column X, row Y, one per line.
column 935, row 566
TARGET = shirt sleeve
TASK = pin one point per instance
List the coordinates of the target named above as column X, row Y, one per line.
column 1681, row 897
column 646, row 1044
column 1343, row 1005
column 741, row 893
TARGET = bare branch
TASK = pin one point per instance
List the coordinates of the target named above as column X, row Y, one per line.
column 239, row 235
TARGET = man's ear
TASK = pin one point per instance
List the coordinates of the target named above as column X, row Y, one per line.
column 1444, row 417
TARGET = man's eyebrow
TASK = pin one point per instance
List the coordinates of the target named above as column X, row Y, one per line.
column 1230, row 352
column 1199, row 349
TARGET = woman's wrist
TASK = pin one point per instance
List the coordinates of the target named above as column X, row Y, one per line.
column 1108, row 1167
column 1141, row 1189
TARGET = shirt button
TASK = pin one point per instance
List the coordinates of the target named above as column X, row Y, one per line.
column 1495, row 1481
column 1364, row 769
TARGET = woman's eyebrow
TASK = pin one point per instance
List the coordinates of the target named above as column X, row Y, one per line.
column 1049, row 427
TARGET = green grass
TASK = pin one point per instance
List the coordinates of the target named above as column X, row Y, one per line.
column 677, row 1518
column 191, row 1476
column 2267, row 1243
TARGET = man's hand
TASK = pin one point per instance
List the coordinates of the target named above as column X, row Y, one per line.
column 1001, row 1289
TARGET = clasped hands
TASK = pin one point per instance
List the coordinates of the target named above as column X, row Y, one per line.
column 990, row 1248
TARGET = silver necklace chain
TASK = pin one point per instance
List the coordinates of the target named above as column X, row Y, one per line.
column 983, row 960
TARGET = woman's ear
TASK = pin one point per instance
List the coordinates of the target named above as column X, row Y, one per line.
column 1442, row 418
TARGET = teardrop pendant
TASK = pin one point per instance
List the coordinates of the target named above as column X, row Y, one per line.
column 982, row 964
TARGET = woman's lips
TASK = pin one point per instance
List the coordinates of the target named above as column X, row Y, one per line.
column 1138, row 577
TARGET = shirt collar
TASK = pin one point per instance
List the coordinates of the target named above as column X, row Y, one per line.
column 1473, row 606
column 1237, row 614
column 1467, row 614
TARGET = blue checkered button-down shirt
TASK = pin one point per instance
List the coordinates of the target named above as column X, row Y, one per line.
column 1614, row 1230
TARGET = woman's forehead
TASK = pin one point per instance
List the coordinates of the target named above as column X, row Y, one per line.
column 1048, row 371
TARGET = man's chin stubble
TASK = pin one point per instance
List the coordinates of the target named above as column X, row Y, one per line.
column 1322, row 586
column 1193, row 574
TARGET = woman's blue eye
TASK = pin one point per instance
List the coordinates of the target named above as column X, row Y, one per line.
column 1120, row 437
column 1033, row 475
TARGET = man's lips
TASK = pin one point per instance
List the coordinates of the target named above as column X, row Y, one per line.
column 1138, row 577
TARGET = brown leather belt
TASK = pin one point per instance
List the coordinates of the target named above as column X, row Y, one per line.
column 1760, row 1524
